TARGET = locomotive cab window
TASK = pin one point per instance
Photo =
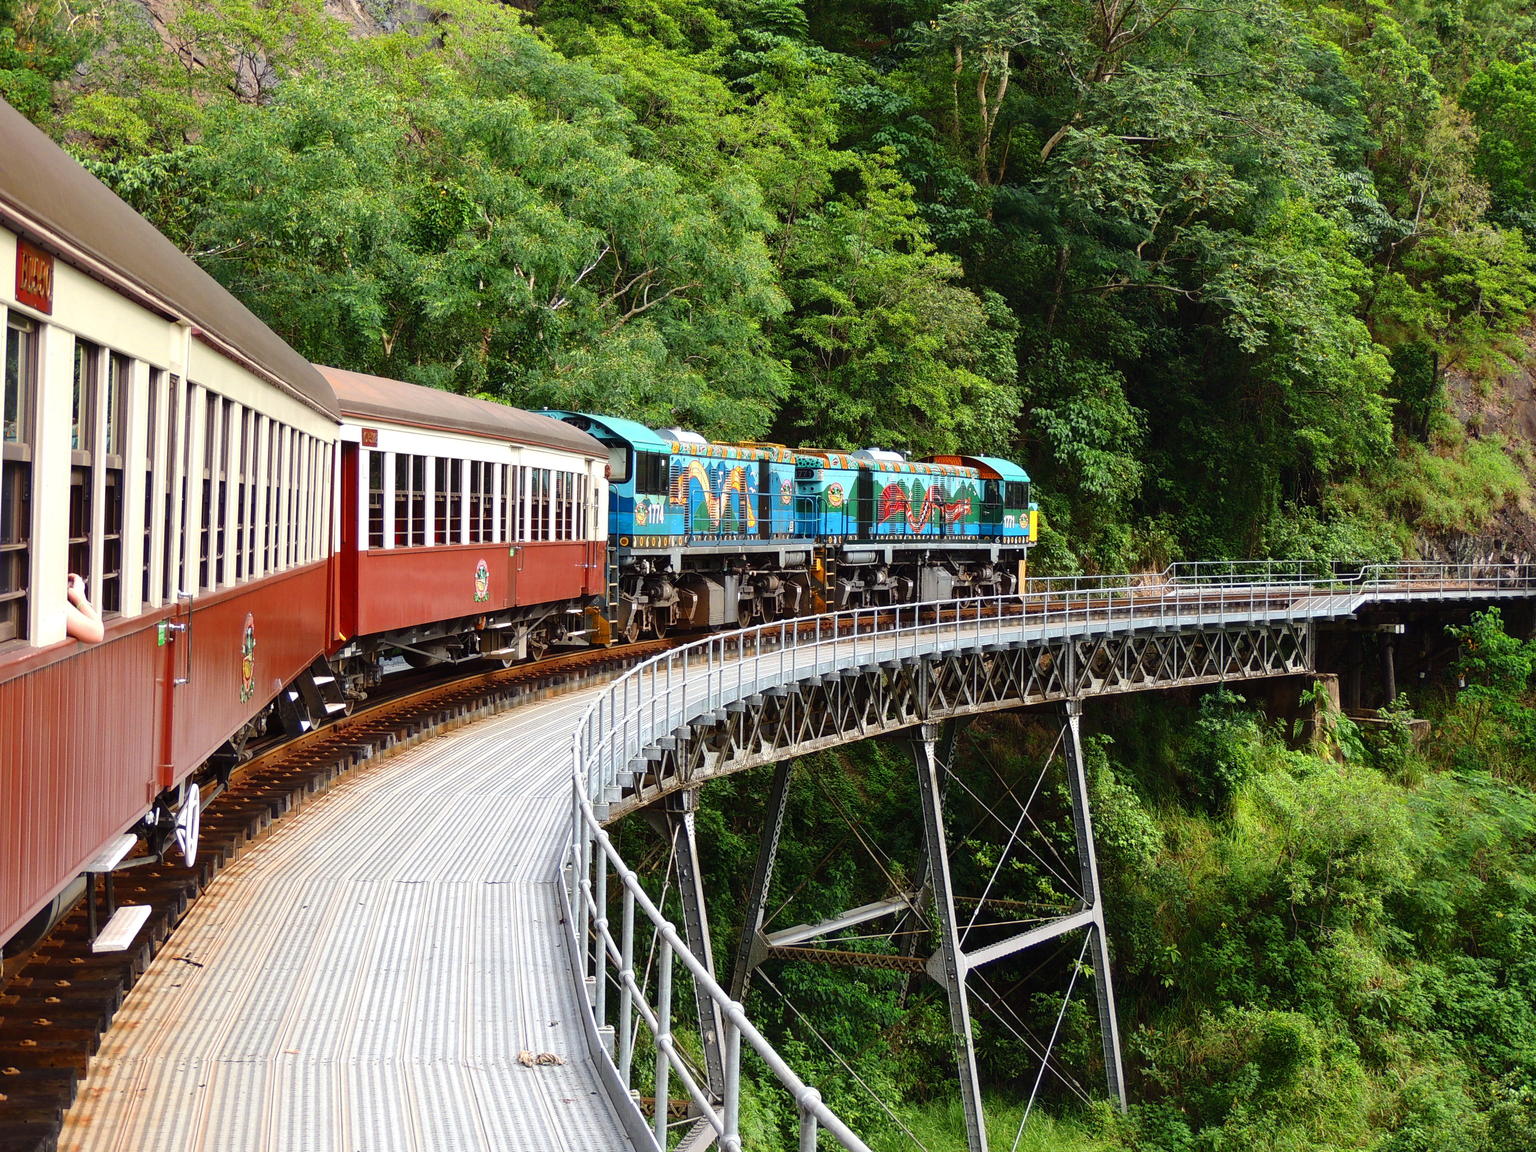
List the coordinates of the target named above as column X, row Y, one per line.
column 651, row 474
column 20, row 388
column 1018, row 494
column 619, row 457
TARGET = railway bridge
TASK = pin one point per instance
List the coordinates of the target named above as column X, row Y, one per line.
column 275, row 1019
column 769, row 694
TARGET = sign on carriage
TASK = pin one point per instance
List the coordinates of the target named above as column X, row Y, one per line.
column 34, row 277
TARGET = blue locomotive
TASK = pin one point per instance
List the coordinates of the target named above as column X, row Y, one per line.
column 705, row 534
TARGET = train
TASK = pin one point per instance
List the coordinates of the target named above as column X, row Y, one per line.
column 256, row 540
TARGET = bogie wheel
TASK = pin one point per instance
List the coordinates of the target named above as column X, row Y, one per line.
column 631, row 627
column 744, row 613
column 659, row 624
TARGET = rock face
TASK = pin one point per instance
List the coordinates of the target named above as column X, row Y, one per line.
column 1505, row 408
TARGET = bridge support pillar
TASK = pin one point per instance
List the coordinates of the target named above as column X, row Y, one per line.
column 751, row 948
column 951, row 966
column 1088, row 871
column 673, row 817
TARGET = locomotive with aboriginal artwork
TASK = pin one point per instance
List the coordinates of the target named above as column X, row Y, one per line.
column 706, row 534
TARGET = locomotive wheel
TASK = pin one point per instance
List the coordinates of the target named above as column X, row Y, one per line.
column 744, row 613
column 631, row 628
column 659, row 624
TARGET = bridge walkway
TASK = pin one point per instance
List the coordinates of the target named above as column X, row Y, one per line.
column 366, row 974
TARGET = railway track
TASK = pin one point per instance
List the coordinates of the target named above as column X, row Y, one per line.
column 57, row 1000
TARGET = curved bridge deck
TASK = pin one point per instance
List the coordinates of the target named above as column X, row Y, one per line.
column 366, row 974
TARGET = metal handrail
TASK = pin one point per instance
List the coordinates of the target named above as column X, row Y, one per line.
column 665, row 693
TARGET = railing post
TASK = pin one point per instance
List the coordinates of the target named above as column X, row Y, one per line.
column 808, row 1120
column 663, row 1038
column 626, row 993
column 731, row 1140
column 583, row 850
column 600, row 951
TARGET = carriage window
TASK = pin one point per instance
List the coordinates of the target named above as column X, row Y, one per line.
column 304, row 543
column 270, row 458
column 472, row 498
column 170, row 557
column 87, row 364
column 496, row 527
column 567, row 497
column 375, row 499
column 513, row 503
column 241, row 466
column 151, row 521
column 541, row 525
column 453, row 518
column 292, row 479
column 410, row 500
column 109, row 595
column 212, row 512
column 20, row 387
column 441, row 530
column 275, row 464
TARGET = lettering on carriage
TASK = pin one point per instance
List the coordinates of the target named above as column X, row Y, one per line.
column 34, row 277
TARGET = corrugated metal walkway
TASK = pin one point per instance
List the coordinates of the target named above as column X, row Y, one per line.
column 364, row 977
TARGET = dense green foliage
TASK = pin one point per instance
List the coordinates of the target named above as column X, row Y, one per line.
column 1221, row 276
column 1206, row 269
column 1322, row 941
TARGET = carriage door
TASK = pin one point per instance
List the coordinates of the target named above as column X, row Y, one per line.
column 175, row 639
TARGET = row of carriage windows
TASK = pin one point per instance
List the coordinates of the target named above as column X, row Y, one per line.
column 229, row 494
column 418, row 501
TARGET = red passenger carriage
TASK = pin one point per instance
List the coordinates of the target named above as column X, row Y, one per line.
column 161, row 442
column 470, row 529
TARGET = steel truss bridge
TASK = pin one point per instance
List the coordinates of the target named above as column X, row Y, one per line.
column 769, row 694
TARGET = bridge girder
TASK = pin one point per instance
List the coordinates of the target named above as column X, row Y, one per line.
column 853, row 704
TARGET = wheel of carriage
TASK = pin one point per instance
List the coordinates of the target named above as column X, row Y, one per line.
column 189, row 819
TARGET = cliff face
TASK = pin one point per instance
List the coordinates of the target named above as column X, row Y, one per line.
column 1506, row 408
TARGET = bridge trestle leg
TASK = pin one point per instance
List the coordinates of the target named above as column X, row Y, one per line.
column 752, row 947
column 673, row 816
column 1088, row 868
column 950, row 959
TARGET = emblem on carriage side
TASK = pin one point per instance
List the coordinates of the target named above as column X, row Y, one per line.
column 248, row 659
column 482, row 582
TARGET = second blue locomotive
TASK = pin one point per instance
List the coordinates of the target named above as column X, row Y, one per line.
column 706, row 534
